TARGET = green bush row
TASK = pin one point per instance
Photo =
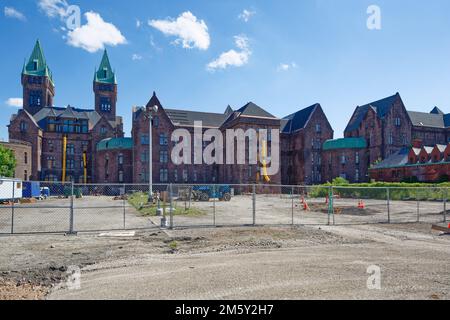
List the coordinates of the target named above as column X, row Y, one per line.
column 378, row 190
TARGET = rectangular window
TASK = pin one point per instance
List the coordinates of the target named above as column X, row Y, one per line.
column 23, row 126
column 357, row 175
column 175, row 175
column 25, row 157
column 398, row 122
column 357, row 157
column 120, row 176
column 50, row 146
column 318, row 128
column 70, row 149
column 105, row 104
column 51, row 162
column 185, row 175
column 155, row 122
column 144, row 156
column 144, row 139
column 25, row 175
column 343, row 159
column 163, row 175
column 391, row 138
column 163, row 139
column 195, row 175
column 120, row 159
column 70, row 164
column 163, row 156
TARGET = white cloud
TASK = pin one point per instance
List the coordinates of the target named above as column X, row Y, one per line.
column 94, row 35
column 138, row 23
column 190, row 32
column 246, row 15
column 54, row 8
column 136, row 57
column 13, row 13
column 286, row 66
column 14, row 102
column 232, row 58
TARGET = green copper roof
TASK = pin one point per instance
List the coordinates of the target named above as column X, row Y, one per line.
column 105, row 74
column 345, row 143
column 36, row 65
column 115, row 143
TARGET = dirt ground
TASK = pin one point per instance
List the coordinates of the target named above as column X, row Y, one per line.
column 322, row 262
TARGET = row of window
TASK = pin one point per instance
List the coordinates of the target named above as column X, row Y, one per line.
column 357, row 175
column 163, row 139
column 67, row 126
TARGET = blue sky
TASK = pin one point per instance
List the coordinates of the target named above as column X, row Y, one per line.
column 287, row 54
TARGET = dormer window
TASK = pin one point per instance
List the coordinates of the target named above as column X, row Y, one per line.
column 105, row 73
column 35, row 64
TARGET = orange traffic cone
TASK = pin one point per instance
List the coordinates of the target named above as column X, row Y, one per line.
column 305, row 206
column 361, row 204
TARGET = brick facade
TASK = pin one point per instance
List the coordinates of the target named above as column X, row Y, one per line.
column 22, row 153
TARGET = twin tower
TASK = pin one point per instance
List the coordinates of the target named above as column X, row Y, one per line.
column 39, row 87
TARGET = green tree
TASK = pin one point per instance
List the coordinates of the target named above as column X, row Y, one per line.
column 7, row 162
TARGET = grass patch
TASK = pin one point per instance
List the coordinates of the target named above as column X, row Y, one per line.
column 139, row 200
column 173, row 245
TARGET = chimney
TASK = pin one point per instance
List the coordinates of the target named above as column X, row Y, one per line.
column 417, row 143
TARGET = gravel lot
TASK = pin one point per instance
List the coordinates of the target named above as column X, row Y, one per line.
column 244, row 263
column 306, row 261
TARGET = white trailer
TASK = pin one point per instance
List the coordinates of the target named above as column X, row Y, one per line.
column 10, row 189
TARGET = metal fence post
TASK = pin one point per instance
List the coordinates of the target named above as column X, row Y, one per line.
column 330, row 205
column 12, row 206
column 170, row 207
column 292, row 204
column 123, row 203
column 445, row 205
column 388, row 205
column 418, row 205
column 71, row 231
column 254, row 204
column 214, row 204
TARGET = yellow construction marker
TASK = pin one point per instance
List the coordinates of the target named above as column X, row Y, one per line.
column 63, row 178
column 264, row 155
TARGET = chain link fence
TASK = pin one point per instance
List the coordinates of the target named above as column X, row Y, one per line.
column 69, row 208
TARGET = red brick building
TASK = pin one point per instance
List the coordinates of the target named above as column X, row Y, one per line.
column 166, row 121
column 45, row 126
column 302, row 136
column 22, row 153
column 345, row 158
column 389, row 128
column 417, row 163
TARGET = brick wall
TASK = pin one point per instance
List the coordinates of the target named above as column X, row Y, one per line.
column 22, row 153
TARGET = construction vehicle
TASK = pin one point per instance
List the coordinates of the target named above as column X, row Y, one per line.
column 204, row 193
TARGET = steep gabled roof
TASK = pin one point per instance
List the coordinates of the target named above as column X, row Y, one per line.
column 436, row 110
column 297, row 120
column 70, row 112
column 36, row 65
column 187, row 117
column 423, row 119
column 249, row 110
column 381, row 107
column 105, row 74
column 398, row 159
column 253, row 110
